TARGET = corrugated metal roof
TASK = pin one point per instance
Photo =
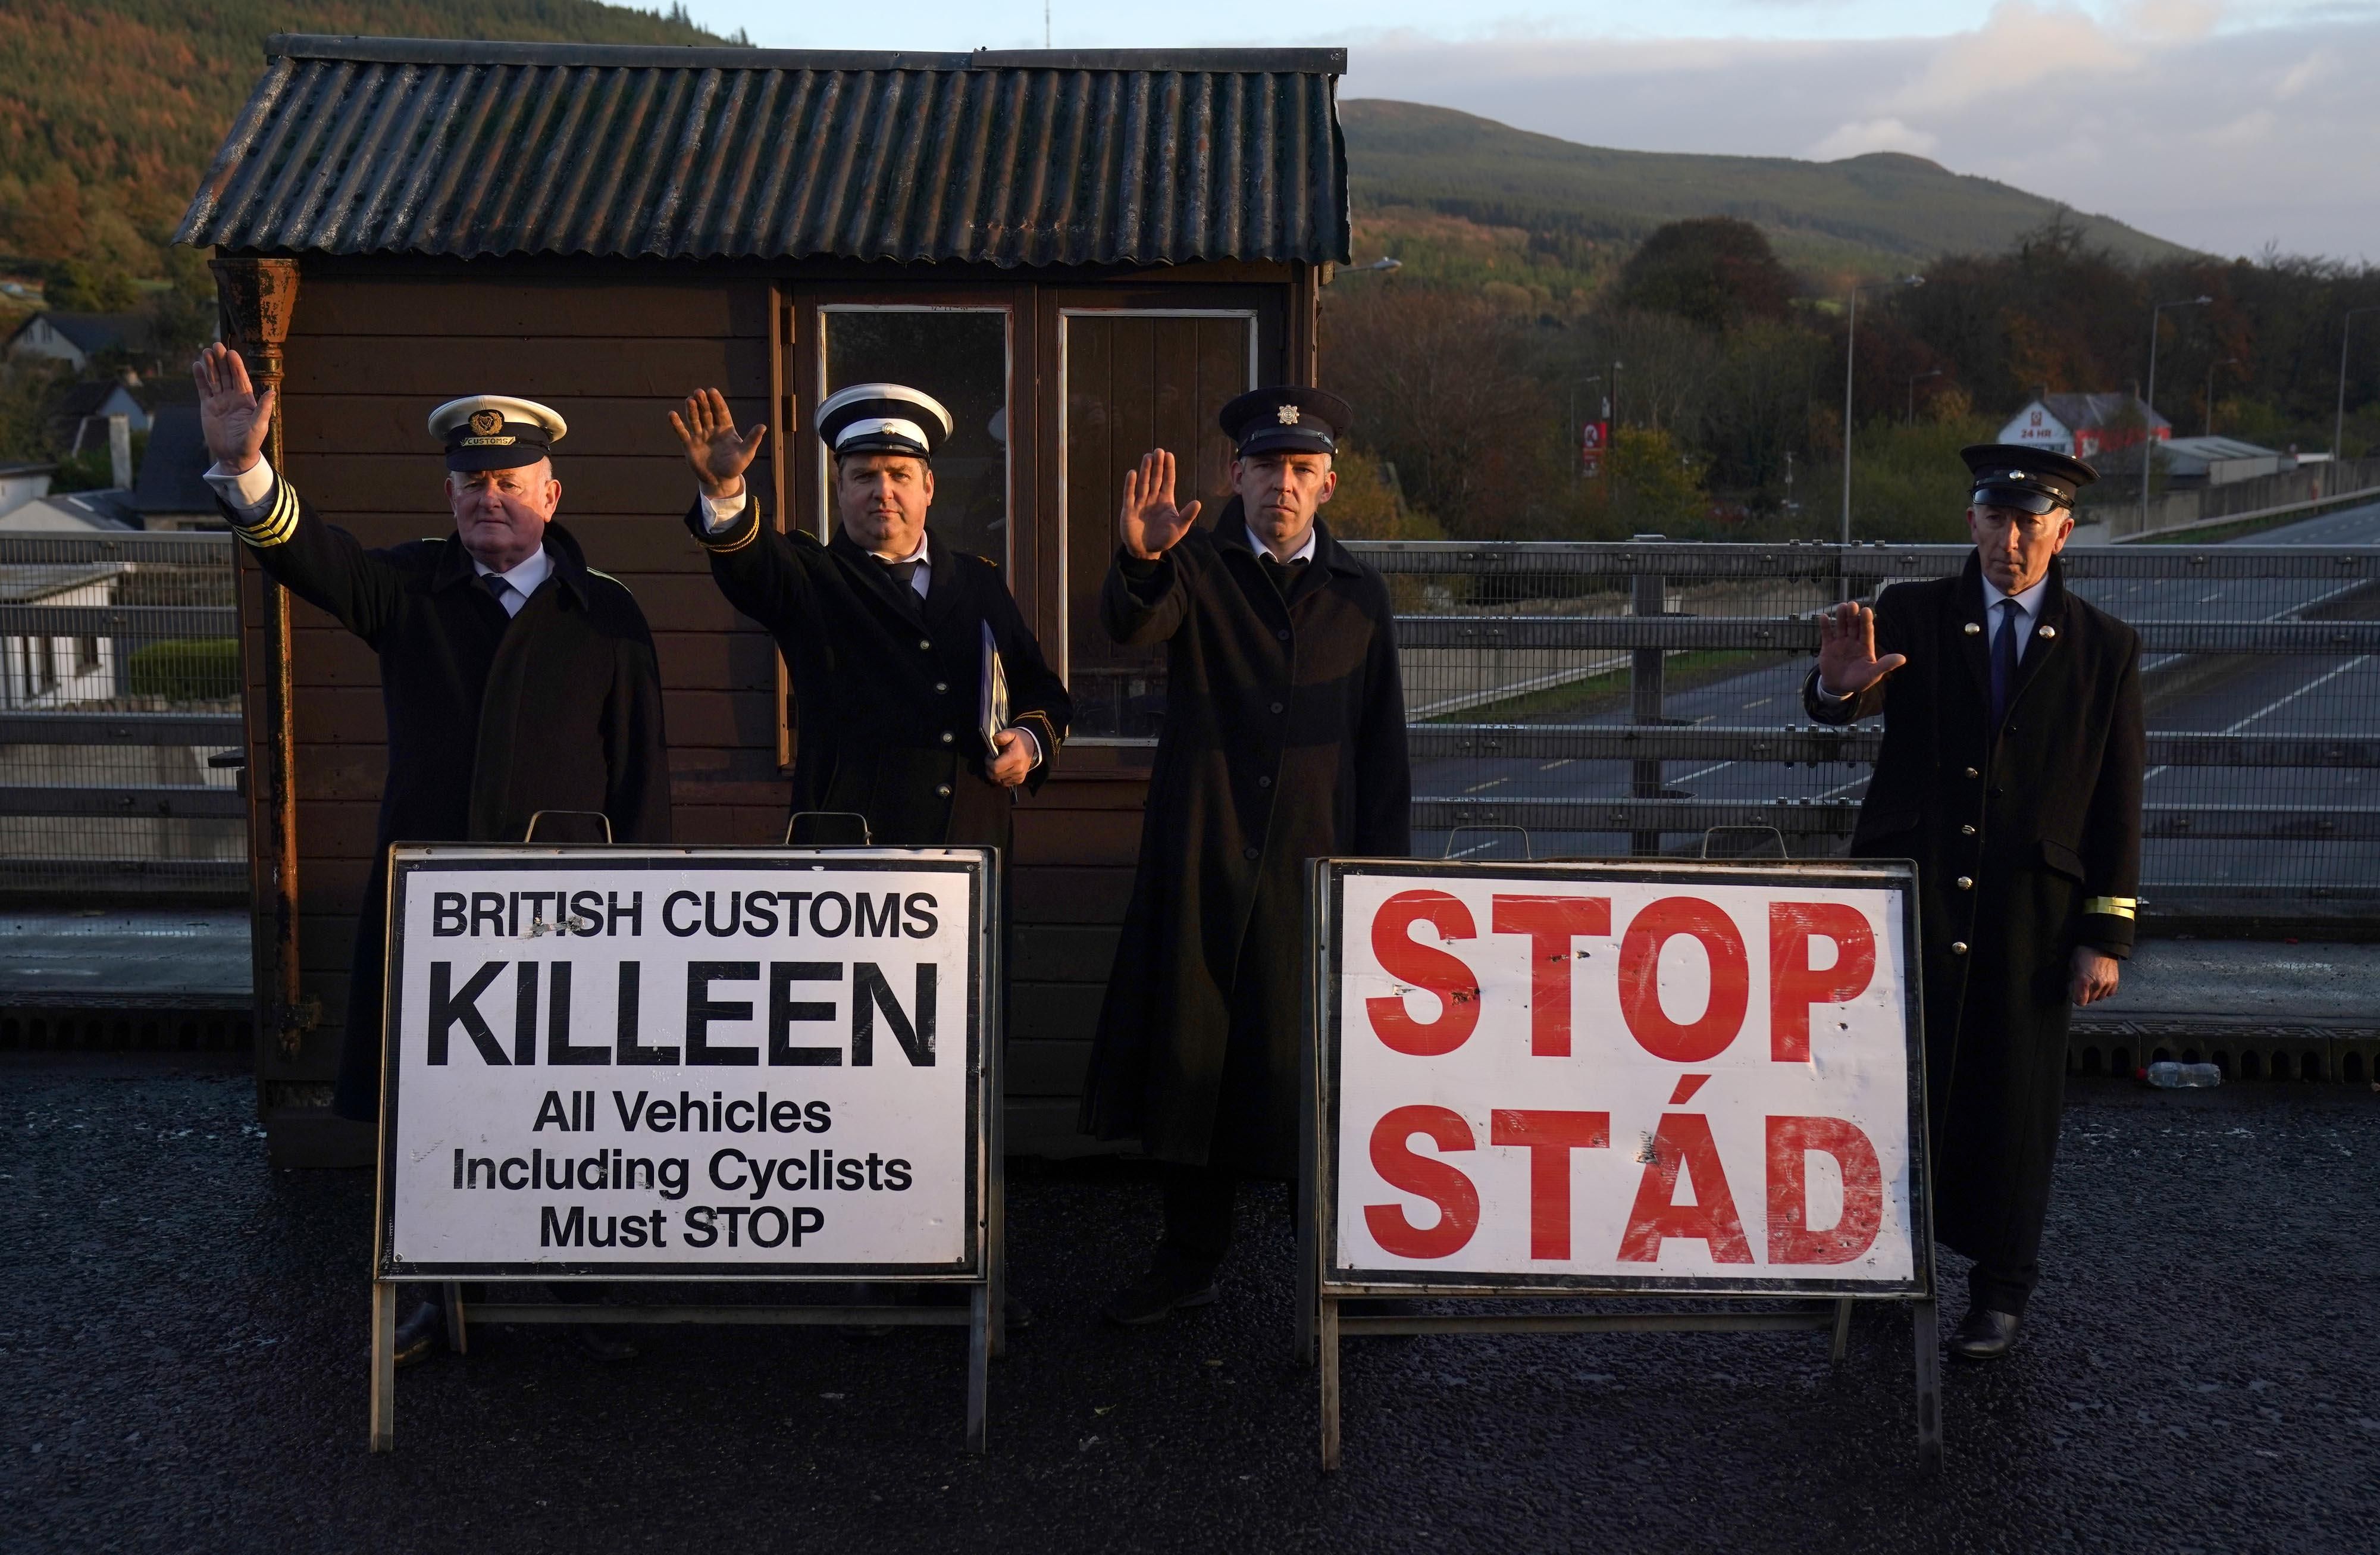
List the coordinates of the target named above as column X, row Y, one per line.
column 356, row 146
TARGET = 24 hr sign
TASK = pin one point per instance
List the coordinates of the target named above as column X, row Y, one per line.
column 1626, row 1075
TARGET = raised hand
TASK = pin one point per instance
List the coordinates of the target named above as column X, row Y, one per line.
column 1847, row 661
column 1150, row 524
column 719, row 453
column 232, row 416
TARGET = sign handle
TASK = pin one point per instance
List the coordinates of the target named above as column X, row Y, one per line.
column 458, row 1338
column 978, row 1366
column 1841, row 1345
column 1929, row 1384
column 383, row 1366
column 530, row 835
column 1329, row 1342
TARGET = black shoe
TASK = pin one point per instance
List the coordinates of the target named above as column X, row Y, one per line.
column 421, row 1333
column 1157, row 1296
column 599, row 1342
column 1984, row 1335
column 1019, row 1316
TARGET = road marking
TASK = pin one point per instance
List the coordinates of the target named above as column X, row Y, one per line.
column 1549, row 766
column 1762, row 703
column 1705, row 772
column 1481, row 787
column 2283, row 701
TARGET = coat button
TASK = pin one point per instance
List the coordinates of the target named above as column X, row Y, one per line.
column 1966, row 831
column 946, row 736
column 1974, row 630
column 1277, row 707
column 1282, row 635
column 941, row 686
column 2048, row 631
column 1966, row 882
column 1973, row 773
column 945, row 791
column 1249, row 851
column 926, row 643
column 1264, row 783
column 1958, row 947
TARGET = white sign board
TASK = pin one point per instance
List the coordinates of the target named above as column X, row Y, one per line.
column 685, row 1063
column 1626, row 1077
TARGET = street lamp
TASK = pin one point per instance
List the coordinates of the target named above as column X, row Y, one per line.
column 1380, row 266
column 2148, row 401
column 1850, row 340
column 1909, row 418
column 2228, row 362
column 2338, row 415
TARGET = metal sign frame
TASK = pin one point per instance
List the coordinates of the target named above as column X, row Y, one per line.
column 982, row 1268
column 1324, row 1283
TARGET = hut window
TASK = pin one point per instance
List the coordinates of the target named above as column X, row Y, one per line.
column 1136, row 380
column 959, row 356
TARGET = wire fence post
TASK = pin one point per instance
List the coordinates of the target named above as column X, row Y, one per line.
column 1644, row 674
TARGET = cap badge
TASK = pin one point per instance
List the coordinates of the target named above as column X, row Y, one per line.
column 1287, row 414
column 487, row 423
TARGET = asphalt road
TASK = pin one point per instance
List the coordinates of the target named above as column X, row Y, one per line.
column 181, row 1340
column 2311, row 694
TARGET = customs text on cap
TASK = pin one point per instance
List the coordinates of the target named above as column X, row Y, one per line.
column 883, row 418
column 2028, row 478
column 496, row 432
column 1297, row 420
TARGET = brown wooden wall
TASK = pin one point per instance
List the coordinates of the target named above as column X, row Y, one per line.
column 613, row 346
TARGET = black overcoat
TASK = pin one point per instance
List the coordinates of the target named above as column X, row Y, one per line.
column 888, row 686
column 2027, row 839
column 1284, row 740
column 491, row 718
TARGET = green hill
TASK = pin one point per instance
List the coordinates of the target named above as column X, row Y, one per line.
column 1450, row 182
column 113, row 107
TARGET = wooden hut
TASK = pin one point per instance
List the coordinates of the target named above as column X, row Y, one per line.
column 1082, row 254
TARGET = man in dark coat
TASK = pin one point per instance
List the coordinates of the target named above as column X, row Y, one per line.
column 884, row 628
column 1284, row 740
column 515, row 678
column 2012, row 772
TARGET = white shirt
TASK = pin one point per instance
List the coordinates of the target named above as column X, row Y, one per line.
column 719, row 513
column 248, row 493
column 1303, row 553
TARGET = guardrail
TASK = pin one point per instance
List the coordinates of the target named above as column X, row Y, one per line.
column 1561, row 685
column 119, row 710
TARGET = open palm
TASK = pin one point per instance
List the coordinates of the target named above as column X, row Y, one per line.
column 233, row 417
column 1150, row 523
column 719, row 453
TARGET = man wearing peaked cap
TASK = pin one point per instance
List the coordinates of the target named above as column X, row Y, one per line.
column 889, row 633
column 2011, row 772
column 515, row 678
column 1283, row 740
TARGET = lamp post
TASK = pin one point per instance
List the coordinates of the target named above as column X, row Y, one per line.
column 1380, row 266
column 2338, row 414
column 2148, row 401
column 2228, row 362
column 1851, row 343
column 1908, row 418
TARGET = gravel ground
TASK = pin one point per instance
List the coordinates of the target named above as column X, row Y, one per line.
column 182, row 1363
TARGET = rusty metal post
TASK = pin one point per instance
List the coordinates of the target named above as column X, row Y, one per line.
column 257, row 298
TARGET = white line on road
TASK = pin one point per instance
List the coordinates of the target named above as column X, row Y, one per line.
column 1482, row 787
column 2311, row 684
column 1705, row 772
column 1549, row 766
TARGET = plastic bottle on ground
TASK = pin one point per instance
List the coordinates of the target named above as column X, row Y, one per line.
column 2165, row 1074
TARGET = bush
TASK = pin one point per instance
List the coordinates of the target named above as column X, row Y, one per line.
column 186, row 669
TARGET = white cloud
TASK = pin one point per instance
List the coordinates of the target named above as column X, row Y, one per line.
column 2019, row 47
column 2251, row 129
column 1873, row 135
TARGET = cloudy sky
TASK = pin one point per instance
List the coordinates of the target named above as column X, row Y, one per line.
column 2227, row 126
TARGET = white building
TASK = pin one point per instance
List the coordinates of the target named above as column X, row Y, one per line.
column 44, row 670
column 2085, row 425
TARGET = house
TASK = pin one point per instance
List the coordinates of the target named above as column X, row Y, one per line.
column 1082, row 254
column 80, row 420
column 172, row 493
column 102, row 512
column 77, row 337
column 2087, row 426
column 20, row 483
column 44, row 667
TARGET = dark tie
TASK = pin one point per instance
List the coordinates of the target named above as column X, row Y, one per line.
column 1281, row 575
column 904, row 573
column 2004, row 660
column 496, row 586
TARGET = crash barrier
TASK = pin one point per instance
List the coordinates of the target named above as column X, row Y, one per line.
column 120, row 735
column 1697, row 1083
column 1627, row 698
column 773, row 1065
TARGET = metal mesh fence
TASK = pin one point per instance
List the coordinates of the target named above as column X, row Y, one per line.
column 1645, row 697
column 119, row 691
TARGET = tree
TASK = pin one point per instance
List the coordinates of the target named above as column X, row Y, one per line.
column 76, row 288
column 1715, row 271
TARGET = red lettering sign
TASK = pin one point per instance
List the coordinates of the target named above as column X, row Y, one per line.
column 1791, row 1240
column 1794, row 985
column 1683, row 1142
column 1457, row 1199
column 1551, row 923
column 1549, row 1137
column 1708, row 1035
column 1427, row 967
